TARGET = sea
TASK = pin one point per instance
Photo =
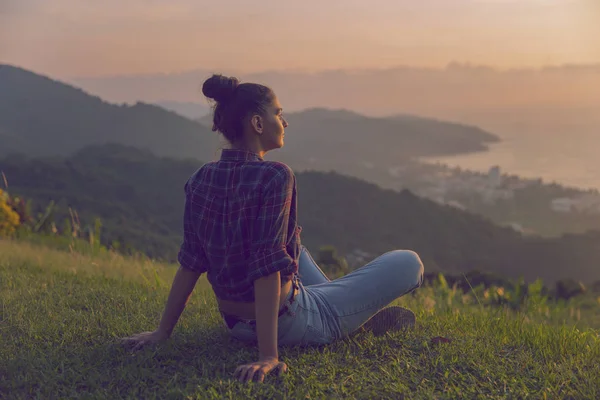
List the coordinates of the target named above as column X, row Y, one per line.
column 566, row 153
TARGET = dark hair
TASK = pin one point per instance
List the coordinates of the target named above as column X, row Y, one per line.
column 234, row 102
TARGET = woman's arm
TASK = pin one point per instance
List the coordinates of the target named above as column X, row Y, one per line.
column 267, row 291
column 183, row 285
column 181, row 289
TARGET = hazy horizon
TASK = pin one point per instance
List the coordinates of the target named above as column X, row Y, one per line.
column 520, row 69
column 433, row 58
column 81, row 39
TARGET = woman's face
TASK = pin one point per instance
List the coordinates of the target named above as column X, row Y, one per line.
column 273, row 126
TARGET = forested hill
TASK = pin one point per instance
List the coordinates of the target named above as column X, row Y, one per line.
column 140, row 198
column 41, row 116
column 334, row 139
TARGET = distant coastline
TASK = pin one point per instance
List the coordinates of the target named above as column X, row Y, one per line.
column 575, row 164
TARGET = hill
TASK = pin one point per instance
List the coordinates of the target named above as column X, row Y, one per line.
column 62, row 315
column 41, row 116
column 336, row 136
column 137, row 195
column 140, row 198
column 323, row 139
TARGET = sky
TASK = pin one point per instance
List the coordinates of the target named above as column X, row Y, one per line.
column 91, row 38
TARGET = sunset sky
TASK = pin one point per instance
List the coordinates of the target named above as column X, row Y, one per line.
column 86, row 38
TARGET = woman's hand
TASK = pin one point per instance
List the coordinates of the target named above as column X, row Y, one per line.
column 183, row 284
column 140, row 340
column 259, row 369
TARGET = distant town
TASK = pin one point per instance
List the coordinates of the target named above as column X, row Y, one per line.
column 444, row 185
column 530, row 206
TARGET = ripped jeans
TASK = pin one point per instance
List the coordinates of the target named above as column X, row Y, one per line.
column 322, row 310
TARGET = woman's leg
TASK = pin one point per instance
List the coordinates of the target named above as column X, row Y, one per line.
column 308, row 270
column 329, row 310
column 342, row 306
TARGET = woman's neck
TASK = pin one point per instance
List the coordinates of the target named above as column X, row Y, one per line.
column 253, row 149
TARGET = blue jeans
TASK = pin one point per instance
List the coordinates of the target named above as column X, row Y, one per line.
column 324, row 310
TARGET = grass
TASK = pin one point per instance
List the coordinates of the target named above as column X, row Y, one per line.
column 61, row 315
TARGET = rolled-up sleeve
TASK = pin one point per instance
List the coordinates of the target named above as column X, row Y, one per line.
column 191, row 254
column 271, row 230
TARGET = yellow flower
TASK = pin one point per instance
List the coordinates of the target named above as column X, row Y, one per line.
column 9, row 219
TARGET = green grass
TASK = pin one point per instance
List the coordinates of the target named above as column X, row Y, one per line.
column 61, row 315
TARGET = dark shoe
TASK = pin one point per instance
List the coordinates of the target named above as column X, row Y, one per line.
column 390, row 319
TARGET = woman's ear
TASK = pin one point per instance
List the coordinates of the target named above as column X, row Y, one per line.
column 257, row 123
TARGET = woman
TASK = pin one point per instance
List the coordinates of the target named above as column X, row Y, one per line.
column 240, row 227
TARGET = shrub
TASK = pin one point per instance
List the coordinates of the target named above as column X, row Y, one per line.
column 9, row 218
column 567, row 288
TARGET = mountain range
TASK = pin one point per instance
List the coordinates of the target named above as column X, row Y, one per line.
column 41, row 116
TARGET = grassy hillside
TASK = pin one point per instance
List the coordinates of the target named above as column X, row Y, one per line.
column 61, row 315
column 140, row 198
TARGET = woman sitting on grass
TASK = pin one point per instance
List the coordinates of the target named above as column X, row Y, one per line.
column 240, row 227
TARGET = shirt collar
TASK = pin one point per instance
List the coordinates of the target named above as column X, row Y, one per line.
column 239, row 155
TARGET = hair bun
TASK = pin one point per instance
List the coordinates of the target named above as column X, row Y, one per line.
column 219, row 87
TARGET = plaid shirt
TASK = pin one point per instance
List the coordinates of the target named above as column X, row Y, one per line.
column 240, row 223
